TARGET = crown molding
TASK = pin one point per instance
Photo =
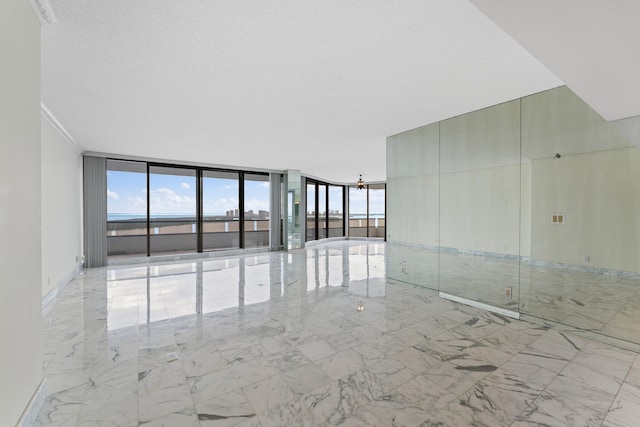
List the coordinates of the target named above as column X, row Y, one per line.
column 44, row 111
column 43, row 11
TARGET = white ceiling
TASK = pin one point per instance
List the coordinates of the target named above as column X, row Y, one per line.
column 309, row 85
column 592, row 45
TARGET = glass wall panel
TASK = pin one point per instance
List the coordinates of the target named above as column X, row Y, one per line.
column 413, row 228
column 126, row 208
column 220, row 210
column 322, row 211
column 581, row 193
column 357, row 212
column 376, row 210
column 336, row 214
column 311, row 212
column 172, row 210
column 480, row 205
column 256, row 211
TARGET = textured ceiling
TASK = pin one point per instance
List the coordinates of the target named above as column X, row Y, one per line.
column 592, row 45
column 292, row 84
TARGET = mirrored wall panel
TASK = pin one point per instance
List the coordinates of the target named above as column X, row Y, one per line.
column 531, row 208
column 480, row 205
column 582, row 219
column 413, row 183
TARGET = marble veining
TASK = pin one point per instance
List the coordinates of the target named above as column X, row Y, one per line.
column 274, row 339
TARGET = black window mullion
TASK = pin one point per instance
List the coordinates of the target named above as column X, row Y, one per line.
column 367, row 211
column 326, row 210
column 345, row 192
column 148, row 211
column 241, row 206
column 199, row 225
column 317, row 226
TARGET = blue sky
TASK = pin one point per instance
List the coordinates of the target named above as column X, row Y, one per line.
column 171, row 194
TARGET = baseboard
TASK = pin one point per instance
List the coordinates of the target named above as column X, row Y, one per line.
column 525, row 260
column 483, row 306
column 30, row 414
column 51, row 295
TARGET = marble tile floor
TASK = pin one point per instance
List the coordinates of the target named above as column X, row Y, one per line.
column 275, row 340
column 595, row 302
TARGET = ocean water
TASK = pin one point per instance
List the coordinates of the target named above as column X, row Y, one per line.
column 143, row 217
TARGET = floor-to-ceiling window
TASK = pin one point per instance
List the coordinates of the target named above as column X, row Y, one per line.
column 321, row 218
column 367, row 213
column 220, row 210
column 256, row 210
column 312, row 202
column 377, row 212
column 357, row 212
column 156, row 209
column 126, row 208
column 336, row 211
column 325, row 210
column 172, row 210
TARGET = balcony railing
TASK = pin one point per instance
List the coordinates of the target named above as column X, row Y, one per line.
column 129, row 237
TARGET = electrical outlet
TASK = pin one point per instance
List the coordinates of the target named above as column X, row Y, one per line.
column 508, row 292
column 586, row 258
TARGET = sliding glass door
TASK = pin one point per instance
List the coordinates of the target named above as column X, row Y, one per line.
column 172, row 210
column 256, row 210
column 220, row 210
column 325, row 210
column 126, row 208
column 367, row 211
column 336, row 211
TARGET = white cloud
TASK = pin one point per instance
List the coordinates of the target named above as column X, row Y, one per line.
column 185, row 185
column 220, row 206
column 112, row 195
column 166, row 201
column 265, row 184
column 256, row 205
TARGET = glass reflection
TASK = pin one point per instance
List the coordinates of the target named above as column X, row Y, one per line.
column 155, row 293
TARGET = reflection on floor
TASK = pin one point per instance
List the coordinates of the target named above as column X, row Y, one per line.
column 277, row 340
column 601, row 303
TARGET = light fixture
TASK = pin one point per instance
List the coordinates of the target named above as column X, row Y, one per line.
column 360, row 183
column 360, row 306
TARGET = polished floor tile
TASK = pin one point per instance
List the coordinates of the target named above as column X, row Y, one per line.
column 276, row 339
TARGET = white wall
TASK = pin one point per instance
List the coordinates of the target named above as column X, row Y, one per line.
column 20, row 278
column 61, row 207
